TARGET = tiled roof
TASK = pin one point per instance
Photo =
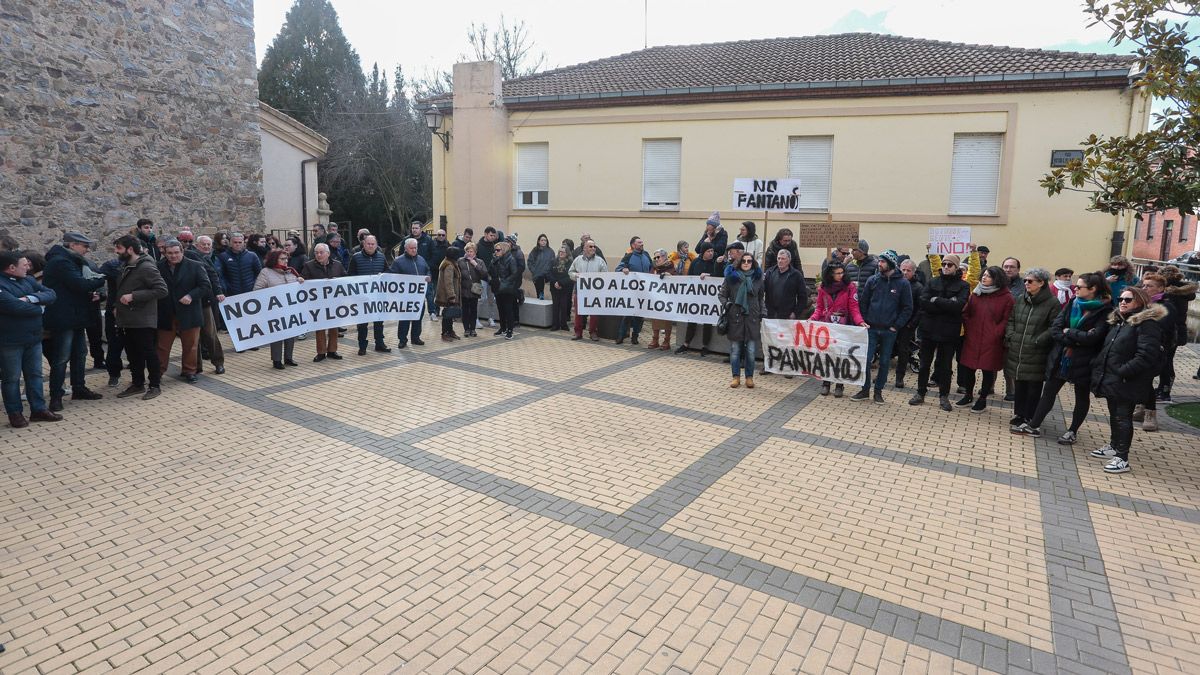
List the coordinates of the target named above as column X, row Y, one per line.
column 813, row 59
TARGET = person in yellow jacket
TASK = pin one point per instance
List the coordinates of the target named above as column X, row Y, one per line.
column 974, row 272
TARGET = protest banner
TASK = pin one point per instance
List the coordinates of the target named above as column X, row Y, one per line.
column 672, row 298
column 827, row 351
column 826, row 234
column 766, row 194
column 947, row 240
column 264, row 316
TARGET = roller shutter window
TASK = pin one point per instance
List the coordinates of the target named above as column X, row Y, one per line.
column 660, row 174
column 533, row 175
column 975, row 174
column 810, row 158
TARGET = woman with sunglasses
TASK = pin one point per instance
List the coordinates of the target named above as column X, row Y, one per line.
column 1125, row 367
column 1078, row 332
column 985, row 320
column 1028, row 341
column 742, row 296
column 661, row 265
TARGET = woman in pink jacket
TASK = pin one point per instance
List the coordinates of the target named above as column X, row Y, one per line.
column 837, row 303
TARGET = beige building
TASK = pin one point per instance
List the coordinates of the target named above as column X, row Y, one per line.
column 290, row 152
column 894, row 133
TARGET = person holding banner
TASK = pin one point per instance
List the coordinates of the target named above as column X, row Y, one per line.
column 836, row 304
column 663, row 268
column 886, row 305
column 704, row 266
column 323, row 266
column 681, row 258
column 367, row 262
column 277, row 273
column 635, row 260
column 743, row 296
column 588, row 261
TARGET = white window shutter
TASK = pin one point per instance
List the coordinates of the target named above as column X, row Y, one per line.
column 533, row 174
column 660, row 173
column 975, row 174
column 810, row 158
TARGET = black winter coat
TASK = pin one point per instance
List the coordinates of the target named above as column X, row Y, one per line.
column 787, row 294
column 187, row 278
column 505, row 275
column 918, row 290
column 1180, row 294
column 64, row 275
column 942, row 303
column 1083, row 343
column 1131, row 356
column 214, row 282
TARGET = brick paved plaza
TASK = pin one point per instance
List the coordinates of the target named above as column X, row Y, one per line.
column 543, row 505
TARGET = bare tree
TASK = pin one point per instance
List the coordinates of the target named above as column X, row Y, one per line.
column 509, row 45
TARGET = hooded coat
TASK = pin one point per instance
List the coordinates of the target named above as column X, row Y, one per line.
column 449, row 285
column 1079, row 344
column 64, row 275
column 985, row 321
column 744, row 325
column 1027, row 337
column 1131, row 355
column 1179, row 294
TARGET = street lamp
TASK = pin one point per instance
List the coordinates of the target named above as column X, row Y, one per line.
column 433, row 120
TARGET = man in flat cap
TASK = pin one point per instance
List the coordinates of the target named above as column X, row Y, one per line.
column 67, row 318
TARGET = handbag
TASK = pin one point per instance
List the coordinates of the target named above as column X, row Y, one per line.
column 476, row 288
column 453, row 312
column 723, row 321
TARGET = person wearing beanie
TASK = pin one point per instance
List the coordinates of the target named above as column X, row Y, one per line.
column 885, row 302
column 940, row 326
column 449, row 292
column 862, row 265
column 715, row 236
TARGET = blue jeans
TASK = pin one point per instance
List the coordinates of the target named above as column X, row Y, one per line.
column 430, row 290
column 882, row 339
column 735, row 356
column 15, row 361
column 68, row 347
column 404, row 328
column 622, row 332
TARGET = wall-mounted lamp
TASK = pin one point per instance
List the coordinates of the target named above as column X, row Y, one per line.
column 433, row 120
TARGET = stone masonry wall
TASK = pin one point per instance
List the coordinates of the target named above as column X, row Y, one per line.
column 119, row 109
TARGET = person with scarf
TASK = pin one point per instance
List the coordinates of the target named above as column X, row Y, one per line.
column 1119, row 275
column 681, row 259
column 985, row 318
column 1125, row 367
column 703, row 266
column 561, row 288
column 1155, row 286
column 743, row 297
column 1078, row 332
column 836, row 304
column 663, row 268
column 1064, row 287
column 275, row 272
column 1027, row 339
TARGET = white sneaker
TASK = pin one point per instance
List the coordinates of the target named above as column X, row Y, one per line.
column 1116, row 465
column 1104, row 452
column 1068, row 438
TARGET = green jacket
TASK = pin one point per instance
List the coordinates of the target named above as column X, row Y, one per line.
column 1027, row 338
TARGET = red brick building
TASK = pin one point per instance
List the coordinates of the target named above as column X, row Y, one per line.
column 1164, row 235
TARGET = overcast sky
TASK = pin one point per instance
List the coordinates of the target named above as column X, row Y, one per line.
column 423, row 40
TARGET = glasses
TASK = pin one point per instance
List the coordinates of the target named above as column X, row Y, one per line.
column 747, row 261
column 439, row 236
column 1126, row 298
column 1031, row 281
column 1081, row 287
column 948, row 264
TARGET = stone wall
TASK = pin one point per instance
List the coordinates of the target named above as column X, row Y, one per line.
column 111, row 111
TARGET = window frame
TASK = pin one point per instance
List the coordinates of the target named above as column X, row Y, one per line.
column 662, row 205
column 828, row 177
column 963, row 177
column 518, row 193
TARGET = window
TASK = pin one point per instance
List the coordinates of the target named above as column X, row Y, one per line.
column 1183, row 227
column 1168, row 227
column 533, row 175
column 975, row 174
column 810, row 159
column 660, row 174
column 1150, row 227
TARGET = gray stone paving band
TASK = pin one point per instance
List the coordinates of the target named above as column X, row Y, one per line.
column 1084, row 627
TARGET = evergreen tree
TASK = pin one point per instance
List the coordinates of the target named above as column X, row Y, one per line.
column 310, row 69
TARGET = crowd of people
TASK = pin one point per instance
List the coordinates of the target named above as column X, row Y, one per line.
column 1106, row 333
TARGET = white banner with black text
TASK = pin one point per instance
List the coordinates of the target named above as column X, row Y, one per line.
column 264, row 316
column 827, row 351
column 673, row 298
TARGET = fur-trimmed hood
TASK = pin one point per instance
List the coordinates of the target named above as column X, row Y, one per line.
column 1184, row 288
column 1155, row 312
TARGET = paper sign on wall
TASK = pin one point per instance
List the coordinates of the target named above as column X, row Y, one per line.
column 947, row 240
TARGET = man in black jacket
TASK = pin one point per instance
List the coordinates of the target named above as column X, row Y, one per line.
column 66, row 320
column 904, row 336
column 210, row 343
column 182, row 311
column 369, row 261
column 940, row 324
